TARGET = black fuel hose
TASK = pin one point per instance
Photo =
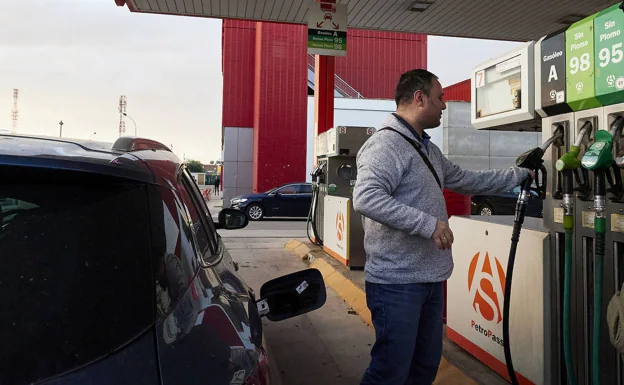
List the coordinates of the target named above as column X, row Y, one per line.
column 521, row 206
column 312, row 220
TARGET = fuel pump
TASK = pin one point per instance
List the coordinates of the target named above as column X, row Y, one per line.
column 533, row 161
column 569, row 165
column 599, row 159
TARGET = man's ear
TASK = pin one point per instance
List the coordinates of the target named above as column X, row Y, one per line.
column 418, row 98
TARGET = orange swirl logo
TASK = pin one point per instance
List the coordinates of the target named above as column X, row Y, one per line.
column 486, row 284
column 339, row 226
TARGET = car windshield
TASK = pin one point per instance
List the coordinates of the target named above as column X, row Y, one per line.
column 75, row 273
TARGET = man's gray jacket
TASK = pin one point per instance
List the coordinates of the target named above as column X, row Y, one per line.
column 401, row 202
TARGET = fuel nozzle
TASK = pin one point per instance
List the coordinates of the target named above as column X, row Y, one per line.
column 317, row 173
column 534, row 161
column 599, row 159
column 569, row 164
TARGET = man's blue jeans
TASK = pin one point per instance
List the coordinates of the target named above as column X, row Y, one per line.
column 408, row 332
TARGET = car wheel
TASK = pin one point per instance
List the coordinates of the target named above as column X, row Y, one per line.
column 255, row 212
column 485, row 210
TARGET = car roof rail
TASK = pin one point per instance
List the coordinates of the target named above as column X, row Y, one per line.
column 129, row 143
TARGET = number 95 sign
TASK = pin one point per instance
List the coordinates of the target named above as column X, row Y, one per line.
column 609, row 52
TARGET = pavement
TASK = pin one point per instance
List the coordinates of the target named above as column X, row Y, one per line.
column 332, row 344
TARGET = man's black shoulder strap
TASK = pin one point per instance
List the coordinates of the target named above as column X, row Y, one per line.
column 417, row 148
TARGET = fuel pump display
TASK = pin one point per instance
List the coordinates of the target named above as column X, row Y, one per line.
column 569, row 164
column 599, row 159
column 531, row 160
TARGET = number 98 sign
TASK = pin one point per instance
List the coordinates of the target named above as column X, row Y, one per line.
column 580, row 64
column 579, row 41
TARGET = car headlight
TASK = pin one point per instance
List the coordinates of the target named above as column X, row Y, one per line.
column 241, row 200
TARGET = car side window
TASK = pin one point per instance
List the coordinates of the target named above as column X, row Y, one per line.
column 203, row 208
column 288, row 190
column 204, row 226
column 206, row 244
column 305, row 189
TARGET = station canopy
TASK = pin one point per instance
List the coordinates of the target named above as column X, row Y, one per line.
column 513, row 20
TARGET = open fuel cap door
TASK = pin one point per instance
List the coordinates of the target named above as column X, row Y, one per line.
column 292, row 295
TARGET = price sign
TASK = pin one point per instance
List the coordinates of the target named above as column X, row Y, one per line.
column 609, row 53
column 580, row 85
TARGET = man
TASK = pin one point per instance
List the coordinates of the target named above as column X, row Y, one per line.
column 217, row 182
column 407, row 237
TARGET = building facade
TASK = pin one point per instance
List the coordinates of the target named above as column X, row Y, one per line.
column 267, row 78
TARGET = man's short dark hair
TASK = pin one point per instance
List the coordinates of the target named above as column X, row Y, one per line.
column 412, row 81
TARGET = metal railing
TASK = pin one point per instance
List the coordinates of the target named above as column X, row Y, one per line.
column 341, row 86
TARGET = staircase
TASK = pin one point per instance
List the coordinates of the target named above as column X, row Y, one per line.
column 342, row 87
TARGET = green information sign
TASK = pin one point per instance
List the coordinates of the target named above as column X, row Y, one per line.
column 327, row 40
column 580, row 65
column 609, row 53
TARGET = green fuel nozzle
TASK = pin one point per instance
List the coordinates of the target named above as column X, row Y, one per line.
column 599, row 158
column 570, row 164
column 600, row 154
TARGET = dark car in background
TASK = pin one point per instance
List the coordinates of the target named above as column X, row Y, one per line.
column 504, row 204
column 289, row 200
column 113, row 272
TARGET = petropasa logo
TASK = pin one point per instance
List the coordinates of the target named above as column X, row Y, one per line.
column 340, row 225
column 486, row 285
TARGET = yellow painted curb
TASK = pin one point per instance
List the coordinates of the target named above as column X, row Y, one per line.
column 302, row 251
column 292, row 245
column 347, row 290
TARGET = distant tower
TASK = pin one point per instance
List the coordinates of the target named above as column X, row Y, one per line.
column 14, row 111
column 122, row 111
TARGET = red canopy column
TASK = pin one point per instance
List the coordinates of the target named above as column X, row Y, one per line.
column 280, row 105
column 324, row 72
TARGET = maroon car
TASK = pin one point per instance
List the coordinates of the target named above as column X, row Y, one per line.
column 112, row 272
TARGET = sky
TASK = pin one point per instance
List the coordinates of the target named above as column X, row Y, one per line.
column 72, row 59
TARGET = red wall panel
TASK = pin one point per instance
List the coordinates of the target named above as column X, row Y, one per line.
column 280, row 105
column 238, row 46
column 376, row 59
column 458, row 92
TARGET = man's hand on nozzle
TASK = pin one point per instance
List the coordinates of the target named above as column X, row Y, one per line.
column 528, row 173
column 443, row 236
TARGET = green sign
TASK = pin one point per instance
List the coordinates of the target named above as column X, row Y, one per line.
column 327, row 40
column 609, row 53
column 580, row 65
column 327, row 28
